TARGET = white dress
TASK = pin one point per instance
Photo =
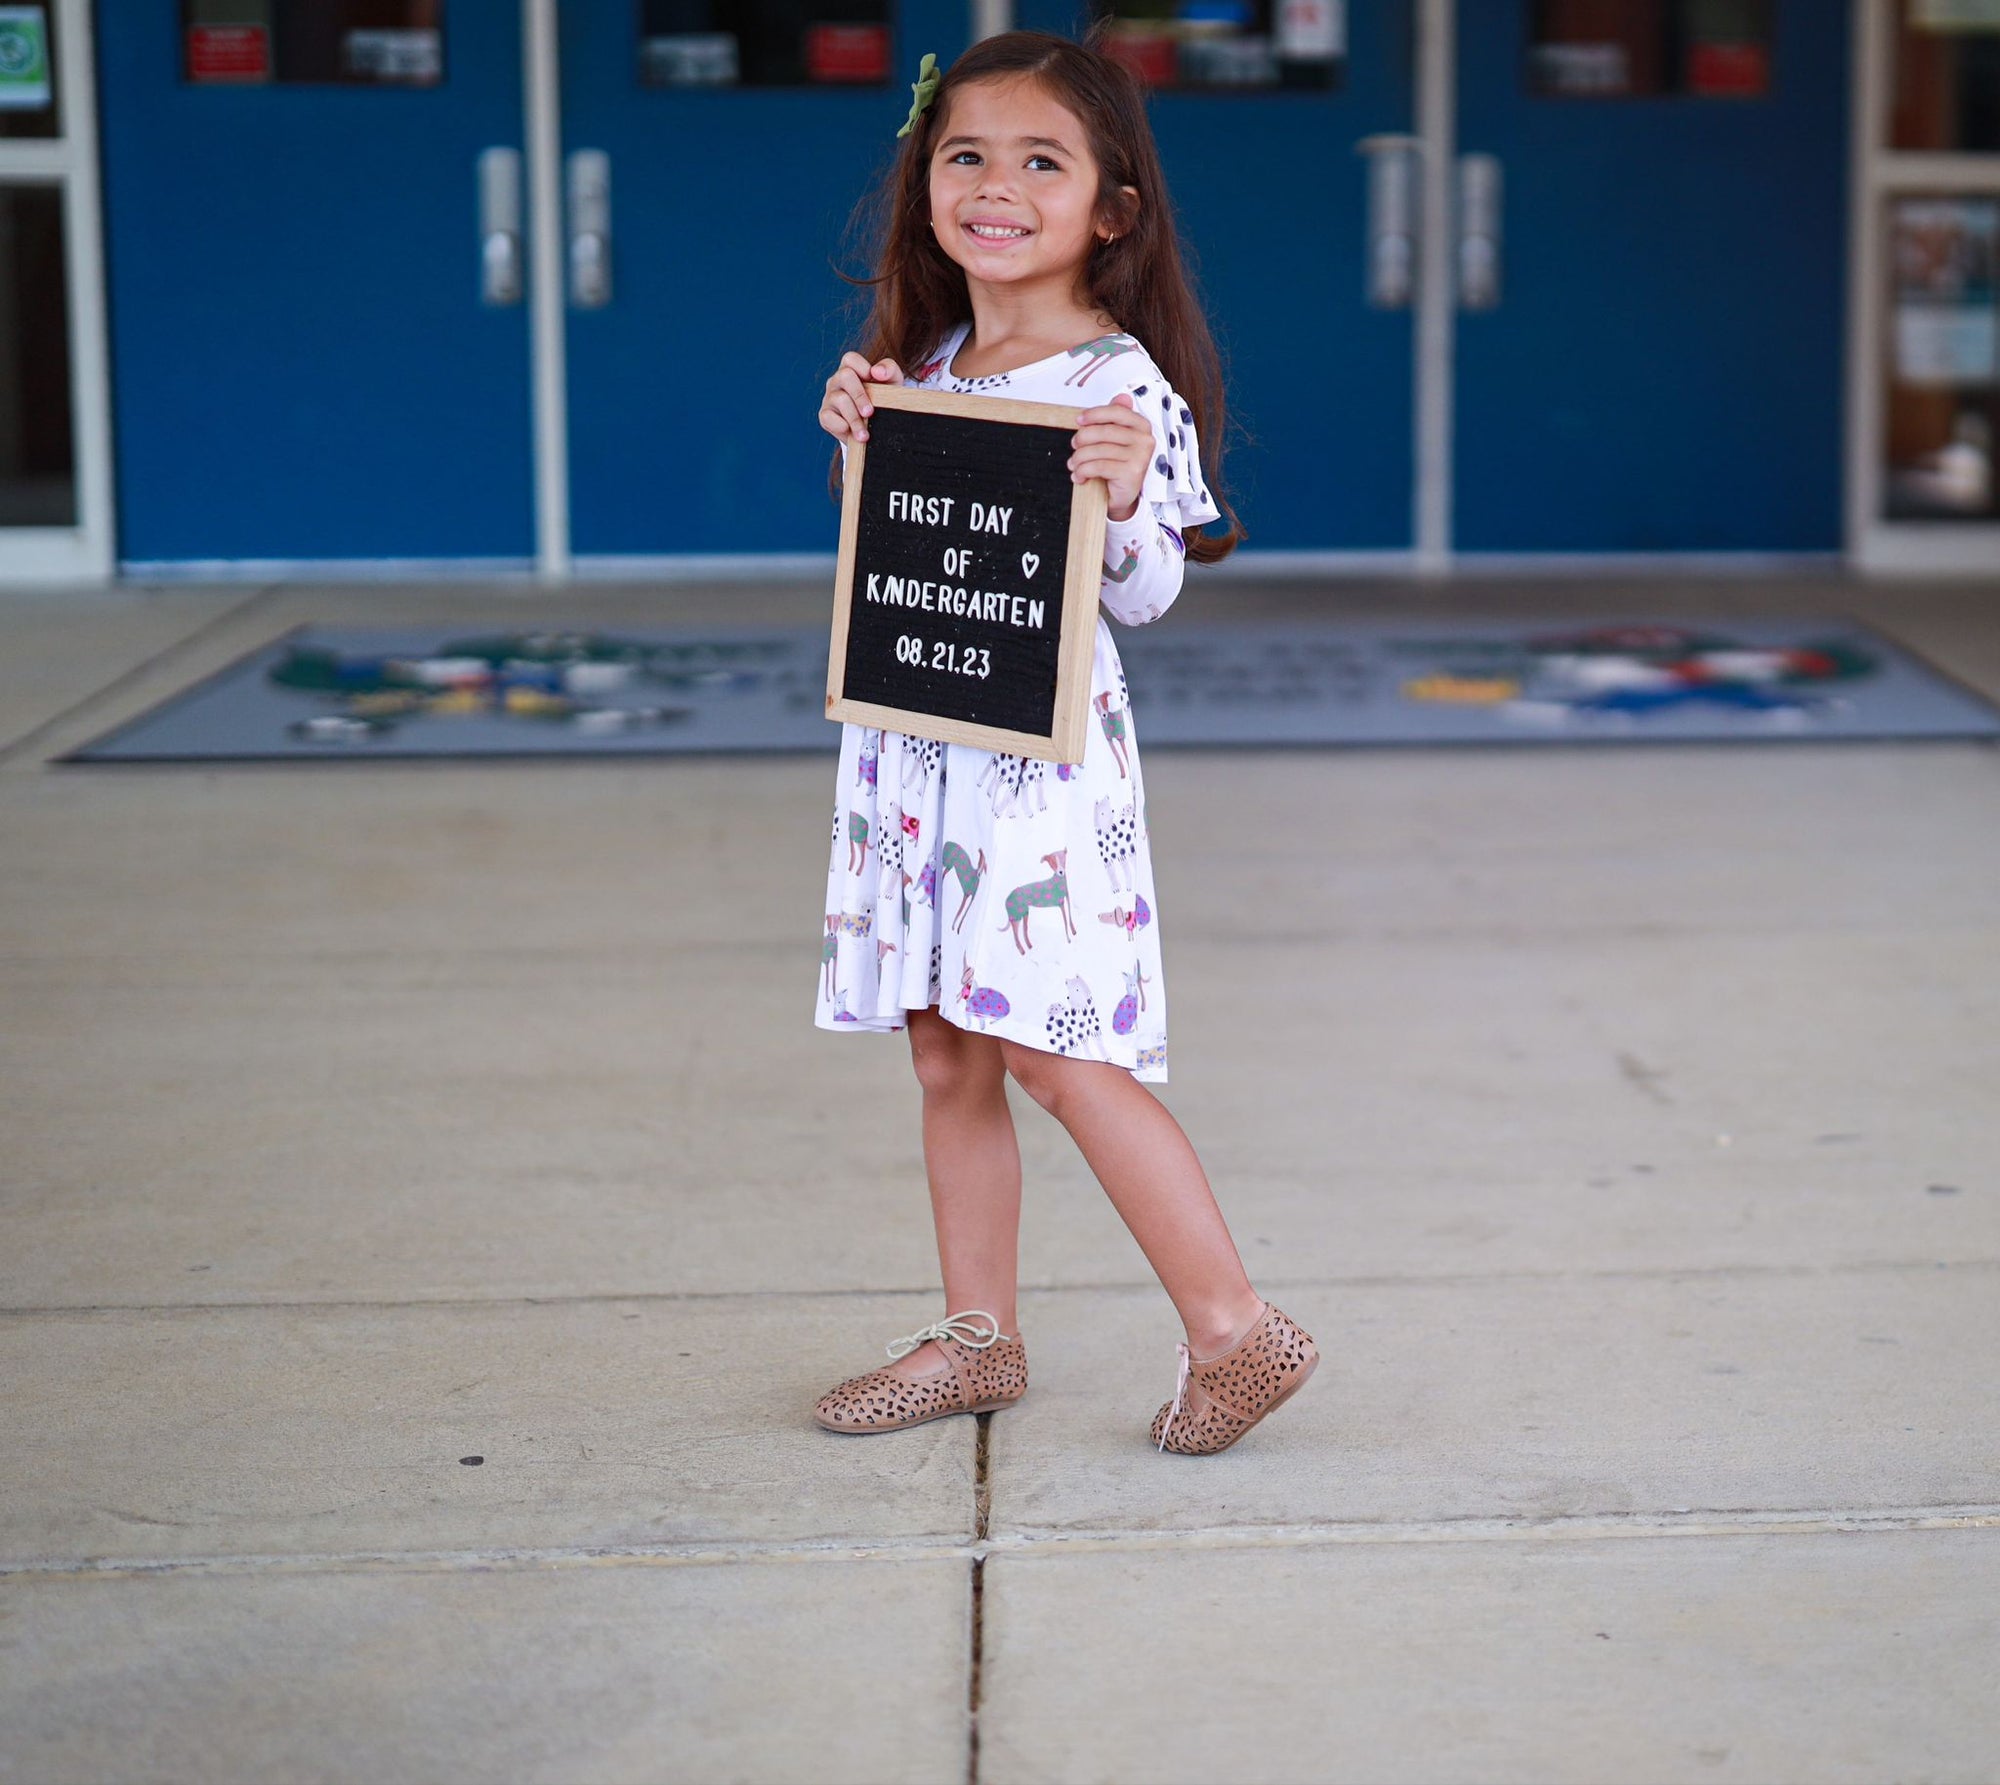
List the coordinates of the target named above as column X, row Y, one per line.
column 1013, row 894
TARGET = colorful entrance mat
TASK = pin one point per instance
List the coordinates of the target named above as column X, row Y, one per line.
column 325, row 694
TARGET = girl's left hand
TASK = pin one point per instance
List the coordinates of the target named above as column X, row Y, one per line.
column 1114, row 442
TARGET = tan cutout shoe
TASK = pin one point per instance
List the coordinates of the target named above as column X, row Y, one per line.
column 1231, row 1393
column 988, row 1371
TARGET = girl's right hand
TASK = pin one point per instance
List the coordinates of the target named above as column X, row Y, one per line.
column 844, row 412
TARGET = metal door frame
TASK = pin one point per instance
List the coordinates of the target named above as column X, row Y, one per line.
column 1872, row 543
column 541, row 88
column 82, row 553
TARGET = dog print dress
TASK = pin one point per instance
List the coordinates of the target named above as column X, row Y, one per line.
column 1017, row 895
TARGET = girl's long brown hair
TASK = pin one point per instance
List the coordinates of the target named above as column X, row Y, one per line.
column 1137, row 278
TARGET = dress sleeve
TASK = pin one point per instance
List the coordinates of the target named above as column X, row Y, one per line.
column 1145, row 555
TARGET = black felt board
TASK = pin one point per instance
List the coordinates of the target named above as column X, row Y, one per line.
column 954, row 581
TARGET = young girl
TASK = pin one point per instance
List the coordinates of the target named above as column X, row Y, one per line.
column 998, row 907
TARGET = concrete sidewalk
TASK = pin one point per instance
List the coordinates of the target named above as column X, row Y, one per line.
column 430, row 1215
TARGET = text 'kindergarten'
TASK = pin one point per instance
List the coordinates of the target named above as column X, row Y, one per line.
column 949, row 598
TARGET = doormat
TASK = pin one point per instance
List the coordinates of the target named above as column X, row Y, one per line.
column 325, row 694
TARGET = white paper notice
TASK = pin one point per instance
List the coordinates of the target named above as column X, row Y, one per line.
column 1949, row 347
column 1312, row 30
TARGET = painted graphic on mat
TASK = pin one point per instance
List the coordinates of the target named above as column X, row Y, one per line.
column 589, row 682
column 1628, row 672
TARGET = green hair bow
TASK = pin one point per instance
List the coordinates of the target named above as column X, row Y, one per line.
column 924, row 88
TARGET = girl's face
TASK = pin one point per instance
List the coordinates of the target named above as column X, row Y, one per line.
column 1013, row 185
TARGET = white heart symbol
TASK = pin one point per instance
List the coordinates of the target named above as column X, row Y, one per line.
column 1030, row 563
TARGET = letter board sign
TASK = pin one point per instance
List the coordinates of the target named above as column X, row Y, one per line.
column 965, row 601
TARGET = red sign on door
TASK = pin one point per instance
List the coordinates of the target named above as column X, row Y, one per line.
column 1149, row 53
column 847, row 52
column 228, row 53
column 1732, row 70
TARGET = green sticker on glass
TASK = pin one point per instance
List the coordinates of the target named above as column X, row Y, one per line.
column 24, row 58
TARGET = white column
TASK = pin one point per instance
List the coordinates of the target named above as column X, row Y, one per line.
column 1437, row 130
column 543, row 99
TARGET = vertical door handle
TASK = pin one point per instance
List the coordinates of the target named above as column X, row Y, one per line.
column 1478, row 232
column 500, row 226
column 589, row 229
column 1392, row 218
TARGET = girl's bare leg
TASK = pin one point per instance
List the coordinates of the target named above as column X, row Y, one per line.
column 973, row 1162
column 1149, row 1170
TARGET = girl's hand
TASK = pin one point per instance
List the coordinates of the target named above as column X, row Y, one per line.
column 1114, row 442
column 845, row 410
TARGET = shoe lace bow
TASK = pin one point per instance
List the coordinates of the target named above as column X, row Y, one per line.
column 961, row 1327
column 1179, row 1406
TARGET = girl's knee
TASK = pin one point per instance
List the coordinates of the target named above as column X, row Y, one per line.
column 948, row 1061
column 1039, row 1074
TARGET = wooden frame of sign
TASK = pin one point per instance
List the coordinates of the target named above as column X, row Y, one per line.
column 965, row 599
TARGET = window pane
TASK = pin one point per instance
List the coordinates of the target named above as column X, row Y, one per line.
column 1634, row 49
column 1943, row 348
column 764, row 43
column 37, row 454
column 367, row 43
column 1947, row 75
column 1231, row 45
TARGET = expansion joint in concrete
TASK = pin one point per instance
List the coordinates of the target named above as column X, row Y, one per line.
column 1133, row 1286
column 982, row 1516
column 1049, row 1543
column 1564, row 1528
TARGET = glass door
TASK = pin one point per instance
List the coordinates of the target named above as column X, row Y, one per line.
column 1650, row 258
column 1927, row 360
column 54, row 479
column 317, row 227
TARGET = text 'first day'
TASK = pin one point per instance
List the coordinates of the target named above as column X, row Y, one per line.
column 935, row 511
